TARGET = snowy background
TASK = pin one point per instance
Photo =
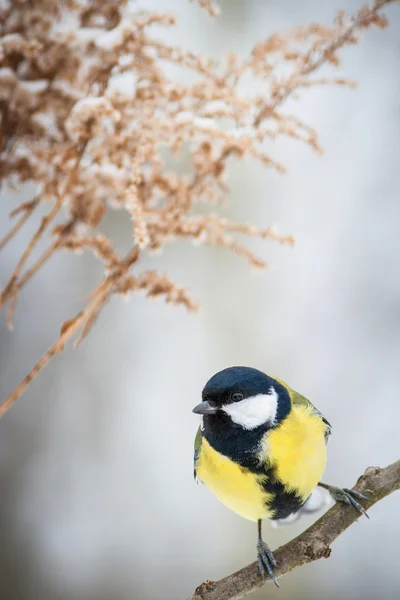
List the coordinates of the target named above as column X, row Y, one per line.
column 97, row 496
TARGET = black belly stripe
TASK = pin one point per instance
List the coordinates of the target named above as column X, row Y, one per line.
column 282, row 502
column 243, row 448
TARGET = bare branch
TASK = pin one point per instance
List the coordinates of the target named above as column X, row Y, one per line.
column 312, row 544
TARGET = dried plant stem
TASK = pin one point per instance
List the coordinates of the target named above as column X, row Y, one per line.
column 58, row 346
column 212, row 8
column 14, row 230
column 359, row 21
column 73, row 325
column 60, row 102
column 312, row 544
column 48, row 253
column 12, row 287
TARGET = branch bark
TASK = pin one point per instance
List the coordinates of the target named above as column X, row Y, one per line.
column 312, row 544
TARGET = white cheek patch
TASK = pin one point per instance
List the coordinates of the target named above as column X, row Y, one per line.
column 254, row 411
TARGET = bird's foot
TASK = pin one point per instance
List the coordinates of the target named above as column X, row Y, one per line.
column 266, row 561
column 347, row 496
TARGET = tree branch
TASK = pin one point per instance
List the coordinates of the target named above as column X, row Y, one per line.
column 312, row 544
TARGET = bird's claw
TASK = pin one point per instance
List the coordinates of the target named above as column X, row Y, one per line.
column 348, row 497
column 357, row 494
column 266, row 561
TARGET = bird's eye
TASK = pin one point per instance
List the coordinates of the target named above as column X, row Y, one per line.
column 237, row 397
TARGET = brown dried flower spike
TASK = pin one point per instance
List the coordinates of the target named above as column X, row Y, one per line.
column 90, row 147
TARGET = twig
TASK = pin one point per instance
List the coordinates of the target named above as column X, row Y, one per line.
column 311, row 545
column 73, row 325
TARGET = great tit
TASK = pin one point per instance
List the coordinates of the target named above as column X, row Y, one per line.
column 261, row 449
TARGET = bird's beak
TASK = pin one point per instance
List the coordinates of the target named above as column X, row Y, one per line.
column 204, row 408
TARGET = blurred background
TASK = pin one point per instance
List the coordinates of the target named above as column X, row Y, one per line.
column 97, row 494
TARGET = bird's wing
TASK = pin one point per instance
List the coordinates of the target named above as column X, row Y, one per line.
column 299, row 400
column 197, row 444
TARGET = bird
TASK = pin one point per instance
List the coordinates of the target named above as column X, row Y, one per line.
column 261, row 450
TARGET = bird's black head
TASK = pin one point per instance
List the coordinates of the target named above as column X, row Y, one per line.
column 239, row 405
column 248, row 396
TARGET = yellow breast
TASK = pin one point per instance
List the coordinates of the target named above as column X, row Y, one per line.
column 297, row 448
column 297, row 451
column 235, row 487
